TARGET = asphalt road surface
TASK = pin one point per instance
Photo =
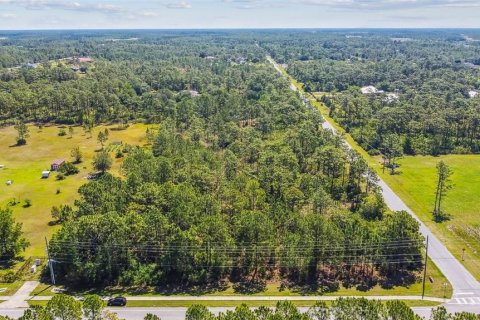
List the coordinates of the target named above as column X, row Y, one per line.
column 171, row 313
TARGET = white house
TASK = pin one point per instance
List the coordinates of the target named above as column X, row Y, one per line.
column 472, row 94
column 370, row 90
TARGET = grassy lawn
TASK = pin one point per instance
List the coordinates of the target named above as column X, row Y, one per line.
column 233, row 303
column 25, row 164
column 416, row 186
column 435, row 289
column 11, row 288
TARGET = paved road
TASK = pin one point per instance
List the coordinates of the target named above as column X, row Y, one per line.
column 173, row 313
column 466, row 289
column 242, row 298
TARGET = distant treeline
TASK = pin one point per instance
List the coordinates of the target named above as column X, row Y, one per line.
column 431, row 75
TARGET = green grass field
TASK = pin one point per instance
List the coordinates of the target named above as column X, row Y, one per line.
column 234, row 303
column 25, row 164
column 435, row 289
column 416, row 186
column 10, row 288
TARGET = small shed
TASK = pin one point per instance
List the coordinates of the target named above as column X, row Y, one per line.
column 45, row 174
column 55, row 164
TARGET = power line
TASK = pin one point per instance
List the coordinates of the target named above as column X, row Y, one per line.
column 397, row 243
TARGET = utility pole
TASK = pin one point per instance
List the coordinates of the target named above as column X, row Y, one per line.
column 50, row 263
column 425, row 269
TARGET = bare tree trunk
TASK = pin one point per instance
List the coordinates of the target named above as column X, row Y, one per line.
column 435, row 210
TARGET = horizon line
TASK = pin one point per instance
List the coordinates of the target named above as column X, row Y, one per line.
column 242, row 28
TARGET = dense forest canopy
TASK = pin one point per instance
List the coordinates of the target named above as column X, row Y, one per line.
column 428, row 84
column 240, row 182
column 429, row 77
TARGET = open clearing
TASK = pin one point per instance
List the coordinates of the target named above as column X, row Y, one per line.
column 24, row 165
column 416, row 186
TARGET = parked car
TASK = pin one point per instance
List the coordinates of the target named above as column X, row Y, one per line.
column 117, row 302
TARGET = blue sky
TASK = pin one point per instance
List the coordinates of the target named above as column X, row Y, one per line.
column 81, row 14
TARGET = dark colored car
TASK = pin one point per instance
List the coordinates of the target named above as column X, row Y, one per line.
column 117, row 302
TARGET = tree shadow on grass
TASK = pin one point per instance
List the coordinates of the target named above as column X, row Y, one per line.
column 248, row 287
column 10, row 263
column 305, row 289
column 49, row 289
column 400, row 279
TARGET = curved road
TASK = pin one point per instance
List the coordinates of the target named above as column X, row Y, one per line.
column 466, row 289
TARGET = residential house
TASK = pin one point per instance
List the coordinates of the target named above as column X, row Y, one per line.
column 55, row 164
column 370, row 90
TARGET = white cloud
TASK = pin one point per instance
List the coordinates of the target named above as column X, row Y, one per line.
column 179, row 5
column 149, row 14
column 257, row 4
column 64, row 5
column 8, row 15
column 388, row 4
column 229, row 13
